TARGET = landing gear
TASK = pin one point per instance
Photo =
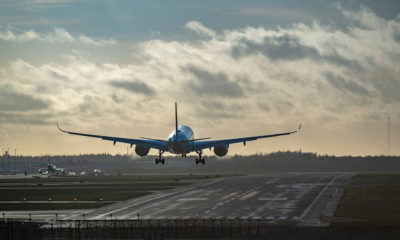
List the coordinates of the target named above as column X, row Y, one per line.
column 200, row 159
column 159, row 159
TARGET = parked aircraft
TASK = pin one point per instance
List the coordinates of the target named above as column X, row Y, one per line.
column 97, row 172
column 52, row 169
column 180, row 141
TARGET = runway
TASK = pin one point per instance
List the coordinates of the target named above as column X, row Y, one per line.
column 302, row 198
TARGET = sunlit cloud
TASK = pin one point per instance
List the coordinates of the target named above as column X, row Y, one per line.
column 58, row 35
column 200, row 29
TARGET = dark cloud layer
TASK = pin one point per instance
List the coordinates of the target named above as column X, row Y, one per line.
column 31, row 119
column 135, row 87
column 13, row 101
column 218, row 110
column 284, row 47
column 288, row 48
column 346, row 85
column 387, row 83
column 213, row 84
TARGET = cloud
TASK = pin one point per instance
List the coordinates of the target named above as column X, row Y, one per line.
column 346, row 85
column 213, row 84
column 14, row 101
column 200, row 29
column 58, row 35
column 135, row 87
column 29, row 119
column 23, row 37
column 90, row 41
column 288, row 47
column 218, row 110
column 284, row 47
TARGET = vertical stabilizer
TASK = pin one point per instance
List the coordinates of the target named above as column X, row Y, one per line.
column 176, row 119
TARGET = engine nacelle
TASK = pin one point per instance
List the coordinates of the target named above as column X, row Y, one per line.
column 221, row 151
column 142, row 151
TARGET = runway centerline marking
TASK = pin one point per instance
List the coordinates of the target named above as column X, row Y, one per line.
column 249, row 195
column 304, row 213
column 141, row 202
column 272, row 199
column 192, row 199
column 229, row 195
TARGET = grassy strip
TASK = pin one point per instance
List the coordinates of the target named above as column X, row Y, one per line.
column 85, row 188
column 86, row 194
column 96, row 185
column 46, row 206
column 371, row 199
column 109, row 178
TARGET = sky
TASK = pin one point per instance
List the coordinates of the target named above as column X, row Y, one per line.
column 236, row 69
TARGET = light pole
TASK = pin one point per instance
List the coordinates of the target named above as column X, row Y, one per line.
column 2, row 162
column 8, row 160
column 15, row 160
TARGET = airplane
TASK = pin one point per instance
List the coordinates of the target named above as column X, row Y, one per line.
column 180, row 141
column 97, row 172
column 52, row 169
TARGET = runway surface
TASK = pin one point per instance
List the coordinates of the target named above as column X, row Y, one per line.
column 303, row 198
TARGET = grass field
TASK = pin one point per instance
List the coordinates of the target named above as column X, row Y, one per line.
column 18, row 194
column 371, row 199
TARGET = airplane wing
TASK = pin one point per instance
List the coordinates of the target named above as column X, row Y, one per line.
column 151, row 143
column 199, row 145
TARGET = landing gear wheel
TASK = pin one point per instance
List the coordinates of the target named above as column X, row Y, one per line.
column 159, row 159
column 200, row 159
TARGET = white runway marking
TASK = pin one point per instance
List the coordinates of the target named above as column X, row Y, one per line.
column 316, row 198
column 139, row 203
column 249, row 195
column 229, row 195
column 272, row 199
column 192, row 199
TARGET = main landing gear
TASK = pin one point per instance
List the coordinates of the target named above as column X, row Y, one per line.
column 159, row 159
column 200, row 159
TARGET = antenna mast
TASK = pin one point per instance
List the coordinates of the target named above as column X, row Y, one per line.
column 389, row 134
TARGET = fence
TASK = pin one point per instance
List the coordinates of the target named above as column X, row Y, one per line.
column 183, row 229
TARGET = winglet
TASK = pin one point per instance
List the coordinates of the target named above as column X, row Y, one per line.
column 61, row 129
column 298, row 129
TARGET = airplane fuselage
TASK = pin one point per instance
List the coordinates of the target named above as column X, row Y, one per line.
column 180, row 143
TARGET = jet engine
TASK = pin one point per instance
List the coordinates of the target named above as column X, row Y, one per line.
column 221, row 151
column 142, row 151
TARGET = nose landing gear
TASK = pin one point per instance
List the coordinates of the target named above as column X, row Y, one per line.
column 200, row 159
column 159, row 159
